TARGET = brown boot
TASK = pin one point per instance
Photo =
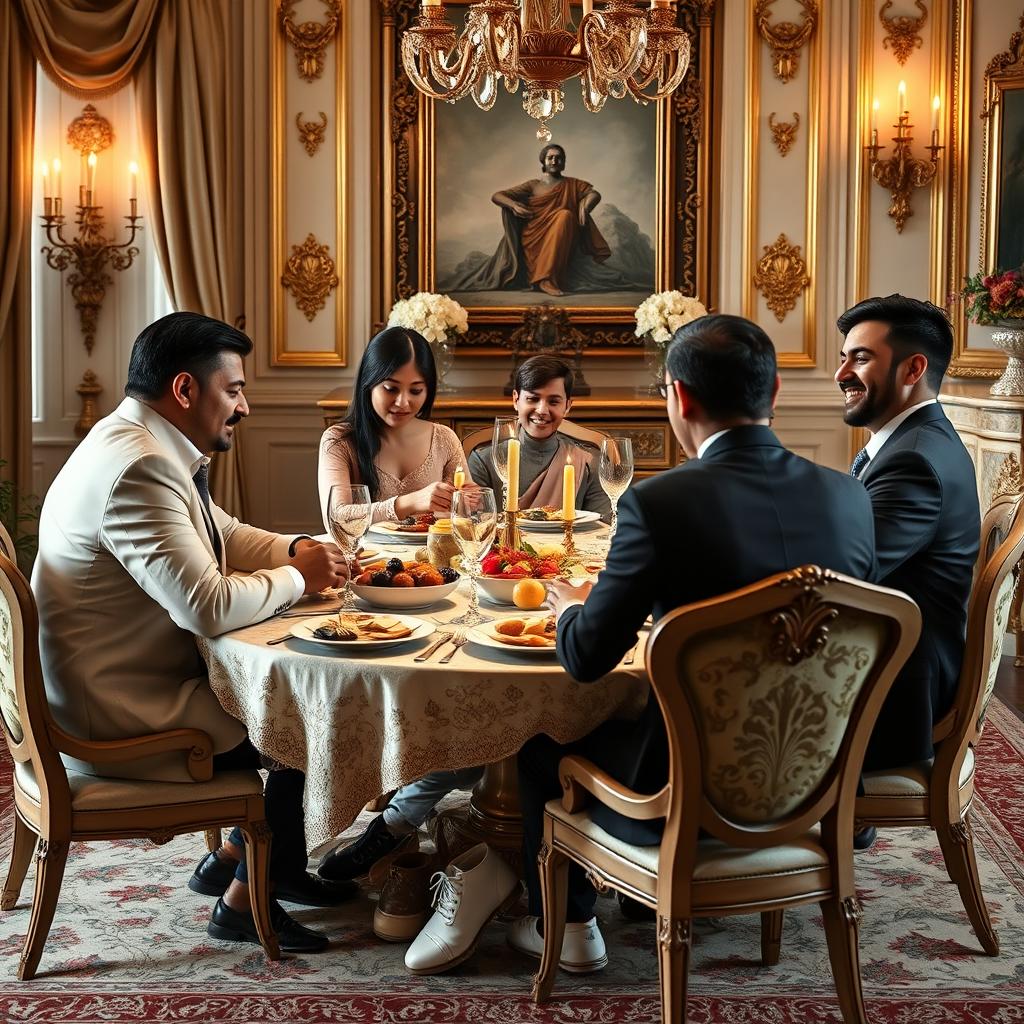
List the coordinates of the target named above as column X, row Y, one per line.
column 404, row 904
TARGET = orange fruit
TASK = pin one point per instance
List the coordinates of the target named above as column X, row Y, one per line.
column 529, row 594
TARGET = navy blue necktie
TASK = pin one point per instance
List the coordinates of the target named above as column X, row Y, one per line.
column 202, row 481
column 860, row 460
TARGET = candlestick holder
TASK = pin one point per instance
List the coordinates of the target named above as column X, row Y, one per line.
column 567, row 541
column 509, row 536
column 89, row 253
column 902, row 172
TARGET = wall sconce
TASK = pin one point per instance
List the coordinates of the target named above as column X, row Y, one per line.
column 89, row 253
column 903, row 172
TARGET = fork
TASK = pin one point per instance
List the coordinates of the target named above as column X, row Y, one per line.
column 279, row 640
column 459, row 640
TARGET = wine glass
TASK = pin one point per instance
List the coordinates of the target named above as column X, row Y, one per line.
column 615, row 471
column 474, row 521
column 348, row 518
column 505, row 429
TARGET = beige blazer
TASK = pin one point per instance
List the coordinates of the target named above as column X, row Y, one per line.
column 126, row 576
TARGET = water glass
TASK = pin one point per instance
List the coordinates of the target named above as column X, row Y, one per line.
column 615, row 471
column 474, row 522
column 348, row 519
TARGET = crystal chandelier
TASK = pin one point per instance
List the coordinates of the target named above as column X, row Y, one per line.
column 620, row 49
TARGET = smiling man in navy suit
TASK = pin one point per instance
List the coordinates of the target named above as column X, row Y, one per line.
column 923, row 494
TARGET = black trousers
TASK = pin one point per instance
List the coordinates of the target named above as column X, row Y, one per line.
column 538, row 783
column 282, row 797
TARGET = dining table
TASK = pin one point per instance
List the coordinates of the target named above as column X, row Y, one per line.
column 359, row 723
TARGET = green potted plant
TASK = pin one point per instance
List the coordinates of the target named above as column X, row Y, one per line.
column 15, row 514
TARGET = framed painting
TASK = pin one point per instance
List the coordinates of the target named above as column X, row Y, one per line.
column 457, row 178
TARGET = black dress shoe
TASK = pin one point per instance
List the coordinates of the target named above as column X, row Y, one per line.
column 633, row 910
column 238, row 926
column 311, row 891
column 212, row 875
column 355, row 860
column 865, row 838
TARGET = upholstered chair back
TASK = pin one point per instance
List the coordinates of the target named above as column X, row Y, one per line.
column 988, row 615
column 768, row 693
column 24, row 713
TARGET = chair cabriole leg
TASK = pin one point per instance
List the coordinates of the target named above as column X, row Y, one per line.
column 771, row 936
column 957, row 843
column 51, row 856
column 841, row 917
column 257, row 837
column 675, row 940
column 22, row 845
column 554, row 890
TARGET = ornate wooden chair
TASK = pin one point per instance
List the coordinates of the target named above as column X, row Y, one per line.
column 937, row 794
column 55, row 807
column 6, row 543
column 769, row 695
column 579, row 433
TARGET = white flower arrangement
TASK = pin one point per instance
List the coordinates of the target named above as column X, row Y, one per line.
column 432, row 315
column 662, row 314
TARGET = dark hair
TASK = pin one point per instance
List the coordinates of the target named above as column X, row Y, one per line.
column 536, row 371
column 914, row 327
column 727, row 363
column 551, row 145
column 387, row 351
column 179, row 343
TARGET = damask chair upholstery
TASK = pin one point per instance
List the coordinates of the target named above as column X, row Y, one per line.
column 574, row 430
column 937, row 794
column 55, row 807
column 769, row 695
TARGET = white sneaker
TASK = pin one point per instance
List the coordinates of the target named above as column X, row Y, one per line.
column 473, row 888
column 583, row 948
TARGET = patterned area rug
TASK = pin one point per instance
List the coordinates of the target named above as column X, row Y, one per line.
column 129, row 943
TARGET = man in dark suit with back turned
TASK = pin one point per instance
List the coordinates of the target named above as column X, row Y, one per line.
column 923, row 494
column 741, row 509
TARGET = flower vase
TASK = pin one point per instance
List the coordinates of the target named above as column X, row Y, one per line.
column 444, row 360
column 654, row 364
column 1010, row 338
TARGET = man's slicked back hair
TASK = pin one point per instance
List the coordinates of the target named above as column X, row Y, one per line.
column 179, row 343
column 728, row 365
column 914, row 326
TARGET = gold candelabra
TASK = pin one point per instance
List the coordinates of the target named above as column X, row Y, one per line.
column 509, row 536
column 902, row 172
column 88, row 252
column 567, row 541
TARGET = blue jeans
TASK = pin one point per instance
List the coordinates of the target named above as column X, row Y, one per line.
column 414, row 802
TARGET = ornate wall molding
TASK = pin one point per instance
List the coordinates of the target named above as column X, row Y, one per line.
column 903, row 33
column 783, row 132
column 786, row 38
column 311, row 133
column 781, row 275
column 310, row 39
column 310, row 276
column 88, row 390
column 90, row 132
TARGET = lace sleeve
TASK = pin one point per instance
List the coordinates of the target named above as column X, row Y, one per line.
column 338, row 465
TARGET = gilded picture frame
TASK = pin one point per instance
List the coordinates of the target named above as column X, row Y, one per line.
column 681, row 180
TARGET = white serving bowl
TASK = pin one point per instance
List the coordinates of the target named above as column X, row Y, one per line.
column 404, row 597
column 497, row 589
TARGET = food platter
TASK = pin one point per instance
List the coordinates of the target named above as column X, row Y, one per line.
column 418, row 629
column 583, row 518
column 488, row 635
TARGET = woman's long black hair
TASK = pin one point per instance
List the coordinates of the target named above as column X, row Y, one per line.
column 386, row 353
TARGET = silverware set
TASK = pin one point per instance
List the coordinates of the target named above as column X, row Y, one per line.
column 458, row 642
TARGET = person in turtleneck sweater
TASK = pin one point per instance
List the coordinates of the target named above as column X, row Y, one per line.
column 542, row 397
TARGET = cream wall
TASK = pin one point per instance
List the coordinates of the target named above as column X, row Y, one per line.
column 849, row 242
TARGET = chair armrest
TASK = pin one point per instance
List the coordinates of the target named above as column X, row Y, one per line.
column 580, row 776
column 198, row 744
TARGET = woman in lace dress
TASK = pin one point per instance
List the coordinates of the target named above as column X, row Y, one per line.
column 387, row 440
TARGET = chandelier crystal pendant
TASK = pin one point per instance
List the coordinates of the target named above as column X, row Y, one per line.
column 621, row 49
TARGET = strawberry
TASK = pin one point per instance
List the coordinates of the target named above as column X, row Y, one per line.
column 492, row 564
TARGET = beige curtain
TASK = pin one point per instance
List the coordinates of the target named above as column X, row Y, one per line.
column 89, row 49
column 189, row 92
column 17, row 118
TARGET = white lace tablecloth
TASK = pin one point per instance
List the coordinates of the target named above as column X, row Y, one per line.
column 360, row 724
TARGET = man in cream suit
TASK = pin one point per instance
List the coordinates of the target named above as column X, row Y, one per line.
column 135, row 558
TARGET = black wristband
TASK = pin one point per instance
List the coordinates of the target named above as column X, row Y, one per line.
column 291, row 547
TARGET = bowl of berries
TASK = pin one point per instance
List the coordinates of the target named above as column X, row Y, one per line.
column 503, row 568
column 397, row 584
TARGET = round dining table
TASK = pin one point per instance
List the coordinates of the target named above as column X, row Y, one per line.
column 360, row 723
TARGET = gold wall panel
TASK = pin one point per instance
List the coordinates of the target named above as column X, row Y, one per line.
column 325, row 170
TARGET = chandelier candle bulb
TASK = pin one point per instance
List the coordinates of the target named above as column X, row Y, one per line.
column 513, row 475
column 568, row 491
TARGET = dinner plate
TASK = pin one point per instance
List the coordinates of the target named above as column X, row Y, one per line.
column 304, row 631
column 483, row 636
column 391, row 531
column 583, row 516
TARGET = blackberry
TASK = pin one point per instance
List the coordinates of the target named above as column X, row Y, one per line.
column 448, row 574
column 381, row 579
column 394, row 565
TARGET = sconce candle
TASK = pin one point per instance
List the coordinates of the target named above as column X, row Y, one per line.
column 901, row 98
column 91, row 187
column 44, row 170
column 56, row 178
column 935, row 121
